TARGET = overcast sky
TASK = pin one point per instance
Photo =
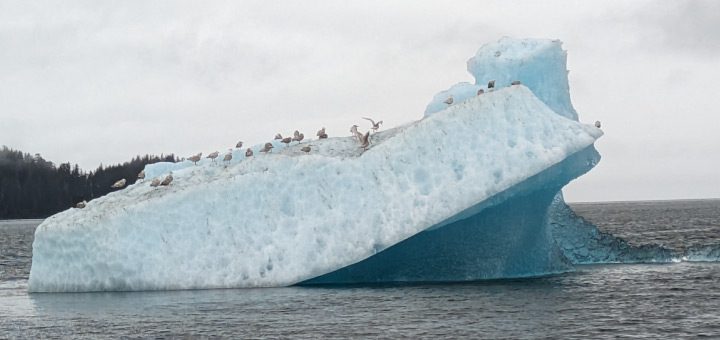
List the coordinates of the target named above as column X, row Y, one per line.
column 94, row 82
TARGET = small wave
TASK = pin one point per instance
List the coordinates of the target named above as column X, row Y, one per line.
column 13, row 285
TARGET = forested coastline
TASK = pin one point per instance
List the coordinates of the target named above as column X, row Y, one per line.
column 32, row 187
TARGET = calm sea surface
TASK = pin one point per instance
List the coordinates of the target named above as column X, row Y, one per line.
column 680, row 300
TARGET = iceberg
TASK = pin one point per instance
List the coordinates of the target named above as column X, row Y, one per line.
column 468, row 192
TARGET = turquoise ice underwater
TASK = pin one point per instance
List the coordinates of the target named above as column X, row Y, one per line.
column 469, row 192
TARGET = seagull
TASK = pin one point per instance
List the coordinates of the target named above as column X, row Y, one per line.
column 491, row 84
column 167, row 180
column 480, row 91
column 248, row 152
column 278, row 136
column 515, row 82
column 597, row 124
column 449, row 101
column 365, row 140
column 238, row 145
column 213, row 155
column 354, row 131
column 195, row 158
column 298, row 136
column 305, row 149
column 228, row 156
column 119, row 184
column 141, row 175
column 286, row 140
column 321, row 133
column 81, row 205
column 267, row 148
column 375, row 126
column 155, row 182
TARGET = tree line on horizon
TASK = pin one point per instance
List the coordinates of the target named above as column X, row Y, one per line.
column 32, row 187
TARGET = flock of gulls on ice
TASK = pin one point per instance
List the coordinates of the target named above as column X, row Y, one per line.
column 363, row 139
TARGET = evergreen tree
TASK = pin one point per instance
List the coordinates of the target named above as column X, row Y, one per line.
column 32, row 187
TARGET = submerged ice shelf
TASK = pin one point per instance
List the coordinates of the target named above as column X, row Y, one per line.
column 471, row 191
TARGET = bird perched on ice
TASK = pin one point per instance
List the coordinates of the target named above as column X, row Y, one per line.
column 195, row 158
column 119, row 184
column 167, row 180
column 449, row 101
column 305, row 149
column 141, row 175
column 491, row 84
column 321, row 133
column 278, row 136
column 297, row 136
column 286, row 140
column 375, row 126
column 267, row 148
column 515, row 82
column 155, row 182
column 365, row 140
column 238, row 145
column 597, row 124
column 228, row 156
column 81, row 205
column 480, row 91
column 355, row 132
column 213, row 155
column 248, row 152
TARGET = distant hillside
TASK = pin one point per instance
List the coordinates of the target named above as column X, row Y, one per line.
column 32, row 187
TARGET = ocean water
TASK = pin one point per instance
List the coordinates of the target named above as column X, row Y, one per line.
column 678, row 300
column 674, row 224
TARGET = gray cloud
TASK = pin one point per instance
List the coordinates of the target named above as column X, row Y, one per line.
column 690, row 27
column 695, row 25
